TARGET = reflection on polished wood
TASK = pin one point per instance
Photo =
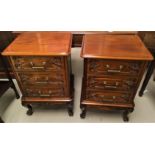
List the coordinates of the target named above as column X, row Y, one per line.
column 114, row 47
column 40, row 43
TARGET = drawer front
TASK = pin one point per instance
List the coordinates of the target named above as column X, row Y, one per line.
column 113, row 67
column 37, row 63
column 42, row 79
column 44, row 92
column 108, row 97
column 111, row 83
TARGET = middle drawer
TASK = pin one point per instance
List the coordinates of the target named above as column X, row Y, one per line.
column 45, row 79
column 111, row 83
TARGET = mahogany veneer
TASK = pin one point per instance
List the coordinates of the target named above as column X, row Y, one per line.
column 113, row 68
column 41, row 64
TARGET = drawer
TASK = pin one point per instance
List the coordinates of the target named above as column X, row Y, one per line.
column 108, row 97
column 42, row 79
column 112, row 83
column 44, row 92
column 37, row 63
column 114, row 67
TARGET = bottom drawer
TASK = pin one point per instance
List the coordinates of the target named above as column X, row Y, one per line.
column 108, row 97
column 44, row 92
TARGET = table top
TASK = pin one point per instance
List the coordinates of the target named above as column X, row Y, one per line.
column 129, row 47
column 40, row 44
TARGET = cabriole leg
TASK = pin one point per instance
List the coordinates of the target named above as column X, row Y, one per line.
column 70, row 108
column 125, row 116
column 83, row 111
column 30, row 110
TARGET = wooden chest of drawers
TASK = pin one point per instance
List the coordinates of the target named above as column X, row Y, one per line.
column 41, row 64
column 113, row 68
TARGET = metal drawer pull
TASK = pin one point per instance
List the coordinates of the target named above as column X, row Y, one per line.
column 41, row 82
column 105, row 82
column 31, row 63
column 120, row 66
column 39, row 67
column 107, row 66
column 44, row 63
column 111, row 87
column 117, row 83
column 108, row 100
column 113, row 71
column 44, row 95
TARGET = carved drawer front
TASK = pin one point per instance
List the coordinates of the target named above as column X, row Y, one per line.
column 44, row 92
column 108, row 97
column 113, row 67
column 45, row 79
column 111, row 83
column 37, row 63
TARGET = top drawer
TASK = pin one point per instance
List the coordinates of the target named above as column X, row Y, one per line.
column 114, row 67
column 37, row 63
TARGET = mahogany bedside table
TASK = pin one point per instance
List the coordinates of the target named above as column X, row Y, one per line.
column 113, row 68
column 41, row 62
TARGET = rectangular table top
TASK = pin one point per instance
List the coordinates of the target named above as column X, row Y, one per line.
column 129, row 47
column 40, row 43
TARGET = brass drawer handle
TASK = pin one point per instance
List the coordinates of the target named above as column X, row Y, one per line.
column 44, row 95
column 108, row 66
column 39, row 67
column 113, row 71
column 110, row 86
column 114, row 87
column 41, row 82
column 108, row 100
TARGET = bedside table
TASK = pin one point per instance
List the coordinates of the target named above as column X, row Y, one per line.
column 113, row 68
column 41, row 62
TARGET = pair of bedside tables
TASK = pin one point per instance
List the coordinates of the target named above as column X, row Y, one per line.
column 113, row 68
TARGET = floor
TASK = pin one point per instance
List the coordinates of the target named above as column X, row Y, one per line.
column 14, row 112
